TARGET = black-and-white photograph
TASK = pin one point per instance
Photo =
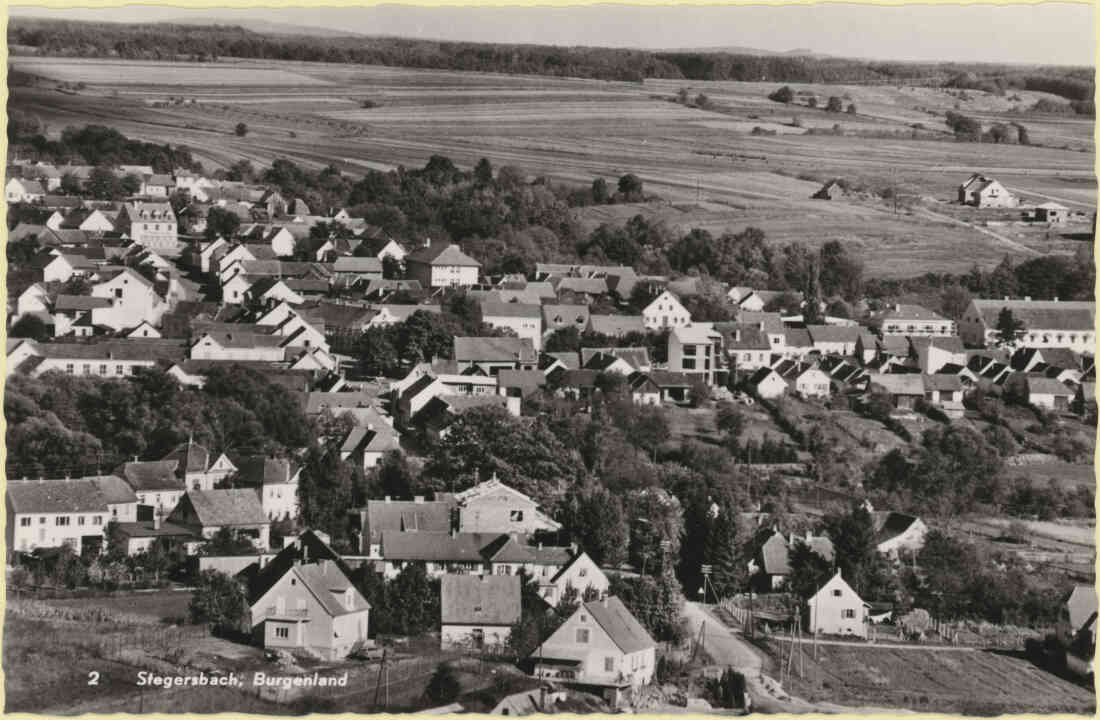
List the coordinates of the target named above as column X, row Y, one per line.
column 532, row 360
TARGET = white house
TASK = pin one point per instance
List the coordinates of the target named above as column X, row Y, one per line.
column 152, row 224
column 767, row 383
column 478, row 610
column 984, row 192
column 133, row 300
column 1045, row 323
column 276, row 479
column 442, row 265
column 897, row 532
column 19, row 190
column 914, row 320
column 73, row 512
column 602, row 645
column 665, row 311
column 523, row 319
column 812, row 382
column 581, row 573
column 311, row 606
column 836, row 609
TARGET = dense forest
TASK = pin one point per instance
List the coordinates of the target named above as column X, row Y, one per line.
column 173, row 42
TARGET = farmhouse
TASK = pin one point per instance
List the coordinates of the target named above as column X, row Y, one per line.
column 600, row 645
column 151, row 224
column 836, row 609
column 745, row 345
column 581, row 573
column 205, row 512
column 913, row 320
column 19, row 190
column 665, row 311
column 829, row 191
column 983, row 192
column 904, row 389
column 524, row 320
column 442, row 265
column 770, row 567
column 1046, row 323
column 478, row 610
column 766, row 383
column 1051, row 212
column 492, row 355
column 1045, row 392
column 73, row 512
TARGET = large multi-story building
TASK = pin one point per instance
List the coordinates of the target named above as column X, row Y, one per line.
column 1043, row 323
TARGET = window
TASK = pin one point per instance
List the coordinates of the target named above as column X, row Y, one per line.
column 87, row 369
column 582, row 635
column 836, row 593
column 689, row 350
column 103, row 369
column 80, row 520
column 24, row 522
column 61, row 520
column 282, row 632
column 609, row 664
column 582, row 572
column 97, row 520
column 69, row 368
column 848, row 613
column 118, row 293
column 120, row 369
column 516, row 516
column 42, row 520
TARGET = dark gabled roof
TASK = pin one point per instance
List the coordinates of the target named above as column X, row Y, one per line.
column 917, row 313
column 570, row 359
column 527, row 380
column 1042, row 385
column 491, row 309
column 479, row 599
column 441, row 254
column 80, row 302
column 616, row 324
column 579, row 378
column 89, row 494
column 667, row 379
column 151, row 476
column 622, row 627
column 888, row 524
column 435, row 546
column 507, row 549
column 407, row 516
column 307, row 547
column 145, row 528
column 501, row 349
column 256, row 470
column 190, row 457
column 751, row 336
column 219, row 508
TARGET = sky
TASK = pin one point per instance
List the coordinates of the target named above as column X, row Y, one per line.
column 1056, row 33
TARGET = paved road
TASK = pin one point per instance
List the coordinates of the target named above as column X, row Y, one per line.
column 728, row 648
column 724, row 644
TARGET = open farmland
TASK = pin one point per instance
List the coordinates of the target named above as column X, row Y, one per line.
column 971, row 682
column 706, row 164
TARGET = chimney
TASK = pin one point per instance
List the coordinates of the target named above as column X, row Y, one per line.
column 427, row 242
column 418, row 498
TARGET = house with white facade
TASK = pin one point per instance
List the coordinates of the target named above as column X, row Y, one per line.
column 695, row 350
column 68, row 511
column 836, row 609
column 985, row 192
column 581, row 573
column 442, row 265
column 916, row 321
column 1044, row 323
column 152, row 224
column 133, row 299
column 478, row 611
column 523, row 319
column 665, row 311
column 601, row 645
column 19, row 190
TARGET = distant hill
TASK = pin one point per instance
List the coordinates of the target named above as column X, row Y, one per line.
column 264, row 27
column 738, row 50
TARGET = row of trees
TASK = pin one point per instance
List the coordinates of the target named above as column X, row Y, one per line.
column 93, row 145
column 171, row 42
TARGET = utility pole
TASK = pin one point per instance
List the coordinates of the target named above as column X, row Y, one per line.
column 378, row 685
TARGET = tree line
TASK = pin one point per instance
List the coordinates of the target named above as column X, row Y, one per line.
column 209, row 42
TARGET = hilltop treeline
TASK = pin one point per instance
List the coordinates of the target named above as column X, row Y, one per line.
column 209, row 42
